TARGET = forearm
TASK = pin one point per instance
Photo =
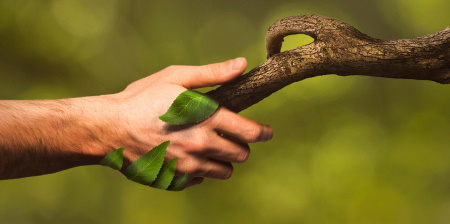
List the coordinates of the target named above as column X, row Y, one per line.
column 46, row 136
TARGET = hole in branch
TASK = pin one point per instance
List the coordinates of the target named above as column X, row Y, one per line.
column 294, row 41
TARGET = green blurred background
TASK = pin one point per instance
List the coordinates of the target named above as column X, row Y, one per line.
column 346, row 149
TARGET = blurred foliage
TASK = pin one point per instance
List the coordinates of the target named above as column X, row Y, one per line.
column 346, row 149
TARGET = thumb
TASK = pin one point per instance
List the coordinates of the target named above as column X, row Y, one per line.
column 192, row 77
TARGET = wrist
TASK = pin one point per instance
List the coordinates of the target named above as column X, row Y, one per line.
column 96, row 133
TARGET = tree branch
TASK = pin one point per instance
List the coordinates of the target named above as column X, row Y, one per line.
column 338, row 48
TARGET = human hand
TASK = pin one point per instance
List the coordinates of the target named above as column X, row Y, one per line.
column 45, row 136
column 206, row 149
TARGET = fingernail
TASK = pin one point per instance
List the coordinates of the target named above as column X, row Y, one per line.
column 236, row 64
column 268, row 133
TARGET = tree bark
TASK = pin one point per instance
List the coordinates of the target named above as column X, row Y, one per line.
column 338, row 48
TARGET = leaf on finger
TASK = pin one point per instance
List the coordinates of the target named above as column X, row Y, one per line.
column 114, row 159
column 179, row 183
column 145, row 169
column 190, row 107
column 165, row 175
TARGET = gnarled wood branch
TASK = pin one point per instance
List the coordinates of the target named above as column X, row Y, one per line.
column 338, row 48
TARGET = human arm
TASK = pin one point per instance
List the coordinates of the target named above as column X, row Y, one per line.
column 46, row 136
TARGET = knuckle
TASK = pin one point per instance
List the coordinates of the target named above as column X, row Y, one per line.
column 197, row 144
column 191, row 166
column 172, row 68
column 194, row 146
column 213, row 71
column 131, row 87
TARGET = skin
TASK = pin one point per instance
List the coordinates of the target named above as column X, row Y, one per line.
column 45, row 136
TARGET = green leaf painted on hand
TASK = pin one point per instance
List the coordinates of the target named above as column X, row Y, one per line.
column 190, row 107
column 145, row 169
column 179, row 183
column 114, row 159
column 149, row 169
column 165, row 175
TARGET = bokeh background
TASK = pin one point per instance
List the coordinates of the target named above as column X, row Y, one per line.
column 346, row 149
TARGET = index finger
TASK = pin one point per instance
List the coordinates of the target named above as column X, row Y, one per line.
column 244, row 129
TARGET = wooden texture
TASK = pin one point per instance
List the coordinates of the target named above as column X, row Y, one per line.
column 338, row 48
